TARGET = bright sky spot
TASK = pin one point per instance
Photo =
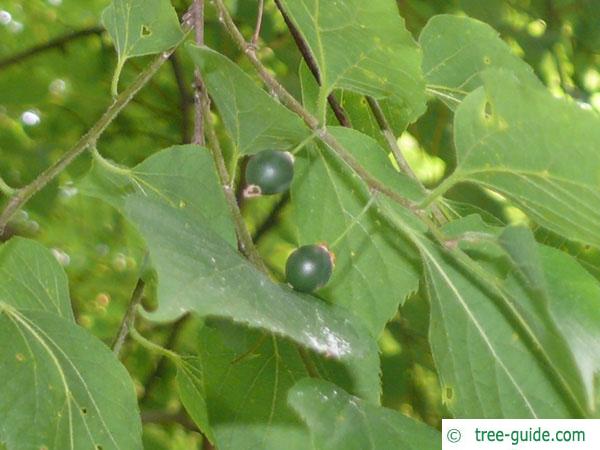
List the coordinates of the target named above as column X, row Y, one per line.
column 30, row 118
column 5, row 17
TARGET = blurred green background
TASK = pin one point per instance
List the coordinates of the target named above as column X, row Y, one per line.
column 49, row 99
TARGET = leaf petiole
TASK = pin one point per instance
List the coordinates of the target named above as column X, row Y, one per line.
column 6, row 189
column 154, row 347
column 114, row 85
column 108, row 165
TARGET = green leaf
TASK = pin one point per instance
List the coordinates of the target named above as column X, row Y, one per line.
column 383, row 60
column 62, row 388
column 376, row 268
column 192, row 393
column 456, row 50
column 31, row 278
column 179, row 208
column 566, row 298
column 199, row 272
column 184, row 176
column 574, row 303
column 141, row 27
column 255, row 120
column 486, row 368
column 338, row 421
column 511, row 138
column 246, row 390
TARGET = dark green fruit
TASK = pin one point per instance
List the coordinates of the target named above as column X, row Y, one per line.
column 309, row 268
column 269, row 172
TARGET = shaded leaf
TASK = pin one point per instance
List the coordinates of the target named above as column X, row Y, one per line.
column 200, row 272
column 246, row 391
column 338, row 420
column 62, row 388
column 192, row 393
column 574, row 303
column 567, row 299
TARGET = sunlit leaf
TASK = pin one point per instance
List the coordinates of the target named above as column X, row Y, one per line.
column 382, row 61
column 511, row 138
column 375, row 267
column 183, row 176
column 141, row 27
column 456, row 50
column 486, row 368
column 255, row 120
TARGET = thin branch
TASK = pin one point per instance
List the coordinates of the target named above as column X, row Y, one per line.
column 259, row 18
column 161, row 417
column 129, row 317
column 311, row 121
column 24, row 194
column 185, row 98
column 384, row 125
column 272, row 218
column 204, row 126
column 245, row 241
column 155, row 348
column 390, row 138
column 308, row 57
column 198, row 17
column 51, row 44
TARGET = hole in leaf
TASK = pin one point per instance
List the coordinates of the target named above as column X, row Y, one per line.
column 487, row 60
column 146, row 31
column 99, row 447
column 84, row 411
column 449, row 393
column 488, row 111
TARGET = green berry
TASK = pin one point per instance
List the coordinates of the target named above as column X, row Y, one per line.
column 309, row 268
column 269, row 172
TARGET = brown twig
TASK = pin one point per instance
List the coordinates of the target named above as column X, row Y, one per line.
column 185, row 98
column 271, row 218
column 198, row 20
column 161, row 417
column 51, row 44
column 258, row 26
column 311, row 121
column 308, row 57
column 129, row 317
column 245, row 242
